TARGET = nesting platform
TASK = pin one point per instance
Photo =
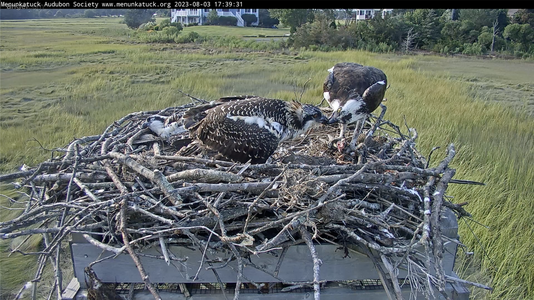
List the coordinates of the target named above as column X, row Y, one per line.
column 312, row 222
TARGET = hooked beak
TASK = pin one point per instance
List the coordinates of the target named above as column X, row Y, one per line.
column 333, row 118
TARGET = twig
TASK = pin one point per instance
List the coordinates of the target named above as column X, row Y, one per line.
column 193, row 98
column 316, row 262
column 164, row 250
column 156, row 176
column 134, row 256
column 251, row 207
column 392, row 276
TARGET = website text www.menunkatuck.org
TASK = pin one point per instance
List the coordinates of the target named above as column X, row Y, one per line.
column 137, row 4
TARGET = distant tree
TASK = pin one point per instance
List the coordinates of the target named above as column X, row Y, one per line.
column 451, row 36
column 348, row 15
column 12, row 14
column 521, row 35
column 249, row 19
column 89, row 13
column 177, row 25
column 213, row 17
column 524, row 16
column 318, row 33
column 293, row 18
column 164, row 13
column 59, row 14
column 426, row 26
column 45, row 13
column 171, row 30
column 135, row 17
column 484, row 17
column 407, row 43
column 164, row 23
column 490, row 39
column 266, row 20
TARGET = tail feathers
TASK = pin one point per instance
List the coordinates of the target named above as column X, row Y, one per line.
column 178, row 144
column 196, row 114
column 192, row 149
column 236, row 98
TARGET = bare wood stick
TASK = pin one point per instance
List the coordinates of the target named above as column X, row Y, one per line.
column 71, row 149
column 154, row 216
column 282, row 236
column 156, row 176
column 252, row 187
column 292, row 217
column 203, row 256
column 157, row 150
column 459, row 280
column 195, row 159
column 134, row 256
column 103, row 246
column 164, row 250
column 436, row 228
column 205, row 175
column 372, row 245
column 392, row 276
column 251, row 207
column 199, row 244
column 194, row 98
column 85, row 189
column 224, row 238
column 65, row 177
column 341, row 182
column 116, row 180
column 372, row 178
column 316, row 262
column 280, row 260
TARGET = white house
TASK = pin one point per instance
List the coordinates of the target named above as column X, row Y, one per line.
column 200, row 16
column 365, row 14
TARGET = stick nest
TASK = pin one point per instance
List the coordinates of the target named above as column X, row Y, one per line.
column 125, row 190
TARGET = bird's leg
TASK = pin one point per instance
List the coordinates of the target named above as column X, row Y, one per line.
column 342, row 129
column 321, row 102
column 357, row 131
column 340, row 141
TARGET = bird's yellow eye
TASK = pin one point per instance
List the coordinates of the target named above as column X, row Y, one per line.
column 339, row 110
column 316, row 115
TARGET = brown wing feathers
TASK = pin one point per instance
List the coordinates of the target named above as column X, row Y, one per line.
column 222, row 126
column 348, row 80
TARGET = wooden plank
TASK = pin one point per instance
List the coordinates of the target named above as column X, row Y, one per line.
column 71, row 290
column 297, row 266
column 458, row 290
column 331, row 293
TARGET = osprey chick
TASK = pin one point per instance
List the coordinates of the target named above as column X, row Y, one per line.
column 250, row 128
column 164, row 127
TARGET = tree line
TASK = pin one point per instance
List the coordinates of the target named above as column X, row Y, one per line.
column 447, row 31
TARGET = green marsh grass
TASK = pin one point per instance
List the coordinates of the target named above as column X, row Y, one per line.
column 71, row 86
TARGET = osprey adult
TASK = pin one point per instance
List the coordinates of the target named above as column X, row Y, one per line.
column 250, row 128
column 353, row 91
